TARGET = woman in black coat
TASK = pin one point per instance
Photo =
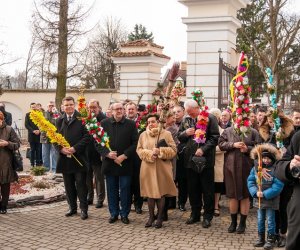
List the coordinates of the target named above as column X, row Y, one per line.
column 9, row 142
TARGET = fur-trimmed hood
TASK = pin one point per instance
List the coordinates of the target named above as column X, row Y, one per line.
column 265, row 147
column 286, row 125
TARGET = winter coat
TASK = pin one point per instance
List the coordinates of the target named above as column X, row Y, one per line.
column 237, row 164
column 283, row 173
column 156, row 177
column 271, row 189
column 219, row 162
column 30, row 126
column 208, row 148
column 7, row 174
column 123, row 137
column 77, row 136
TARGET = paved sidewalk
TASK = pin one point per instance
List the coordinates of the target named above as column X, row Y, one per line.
column 46, row 227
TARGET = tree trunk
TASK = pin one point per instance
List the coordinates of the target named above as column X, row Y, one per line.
column 62, row 53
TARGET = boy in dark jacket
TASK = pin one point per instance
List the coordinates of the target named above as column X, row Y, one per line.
column 269, row 193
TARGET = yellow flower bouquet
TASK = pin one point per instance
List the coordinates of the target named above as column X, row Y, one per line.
column 44, row 125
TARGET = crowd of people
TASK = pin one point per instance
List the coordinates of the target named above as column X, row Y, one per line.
column 157, row 163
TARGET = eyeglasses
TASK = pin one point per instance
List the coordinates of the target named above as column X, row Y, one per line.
column 118, row 109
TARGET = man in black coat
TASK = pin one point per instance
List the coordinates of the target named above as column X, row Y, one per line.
column 117, row 163
column 132, row 114
column 283, row 171
column 199, row 184
column 95, row 162
column 34, row 139
column 74, row 174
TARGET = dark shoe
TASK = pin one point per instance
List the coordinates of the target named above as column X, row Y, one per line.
column 192, row 220
column 125, row 220
column 138, row 210
column 90, row 202
column 71, row 213
column 149, row 223
column 158, row 224
column 3, row 210
column 206, row 223
column 260, row 241
column 84, row 215
column 242, row 226
column 232, row 227
column 270, row 243
column 112, row 219
column 99, row 205
column 181, row 207
column 281, row 241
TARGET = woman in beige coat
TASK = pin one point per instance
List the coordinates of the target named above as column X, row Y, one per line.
column 156, row 150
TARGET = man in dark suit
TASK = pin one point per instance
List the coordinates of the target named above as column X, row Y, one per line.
column 95, row 162
column 132, row 114
column 117, row 164
column 74, row 174
column 33, row 139
column 7, row 115
column 285, row 171
column 199, row 184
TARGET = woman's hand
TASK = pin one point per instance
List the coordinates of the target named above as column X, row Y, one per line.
column 3, row 143
column 244, row 149
column 155, row 151
column 238, row 144
column 260, row 194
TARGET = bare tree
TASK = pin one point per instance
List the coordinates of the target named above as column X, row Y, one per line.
column 58, row 24
column 100, row 70
column 278, row 33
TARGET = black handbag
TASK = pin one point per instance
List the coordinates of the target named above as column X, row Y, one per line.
column 28, row 153
column 162, row 143
column 198, row 163
column 17, row 161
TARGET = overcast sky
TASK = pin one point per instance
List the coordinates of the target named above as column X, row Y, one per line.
column 162, row 17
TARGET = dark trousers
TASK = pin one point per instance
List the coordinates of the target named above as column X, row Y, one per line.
column 181, row 179
column 135, row 187
column 281, row 214
column 118, row 190
column 201, row 185
column 5, row 189
column 36, row 154
column 75, row 186
column 95, row 170
column 293, row 236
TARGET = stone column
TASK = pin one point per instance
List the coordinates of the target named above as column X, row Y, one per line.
column 211, row 25
column 140, row 69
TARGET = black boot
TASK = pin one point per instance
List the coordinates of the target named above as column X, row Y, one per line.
column 232, row 227
column 165, row 213
column 270, row 243
column 160, row 206
column 151, row 206
column 3, row 210
column 260, row 241
column 242, row 226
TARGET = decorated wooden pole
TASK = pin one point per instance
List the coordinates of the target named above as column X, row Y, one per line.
column 240, row 96
column 259, row 173
column 273, row 101
column 166, row 104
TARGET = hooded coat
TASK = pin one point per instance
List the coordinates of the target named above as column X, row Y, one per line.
column 271, row 188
